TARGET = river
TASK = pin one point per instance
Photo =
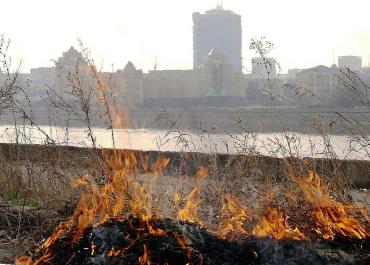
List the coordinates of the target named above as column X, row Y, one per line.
column 272, row 144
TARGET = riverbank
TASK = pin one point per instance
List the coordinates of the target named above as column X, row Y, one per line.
column 36, row 192
column 234, row 166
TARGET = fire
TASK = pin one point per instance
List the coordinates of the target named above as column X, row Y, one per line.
column 183, row 243
column 332, row 218
column 160, row 165
column 144, row 259
column 233, row 218
column 121, row 195
column 201, row 174
column 82, row 181
column 275, row 225
column 144, row 162
column 24, row 261
column 335, row 220
column 124, row 195
column 114, row 253
column 189, row 212
column 139, row 203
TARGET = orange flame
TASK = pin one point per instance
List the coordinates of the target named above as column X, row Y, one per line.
column 144, row 162
column 233, row 217
column 83, row 181
column 114, row 253
column 145, row 259
column 332, row 217
column 201, row 174
column 122, row 195
column 275, row 225
column 24, row 261
column 160, row 164
column 181, row 240
column 189, row 212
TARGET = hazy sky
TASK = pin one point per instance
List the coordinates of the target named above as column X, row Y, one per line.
column 305, row 32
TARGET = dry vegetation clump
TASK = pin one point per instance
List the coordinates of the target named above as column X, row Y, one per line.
column 35, row 192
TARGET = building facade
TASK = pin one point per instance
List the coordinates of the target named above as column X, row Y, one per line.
column 264, row 67
column 128, row 85
column 321, row 80
column 352, row 62
column 215, row 78
column 71, row 70
column 219, row 30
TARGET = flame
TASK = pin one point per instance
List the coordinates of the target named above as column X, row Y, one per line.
column 233, row 217
column 124, row 195
column 156, row 231
column 144, row 162
column 82, row 181
column 139, row 203
column 24, row 261
column 160, row 165
column 332, row 218
column 181, row 240
column 201, row 174
column 335, row 220
column 189, row 212
column 114, row 253
column 121, row 195
column 144, row 259
column 275, row 225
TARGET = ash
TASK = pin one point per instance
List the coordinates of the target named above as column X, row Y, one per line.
column 132, row 241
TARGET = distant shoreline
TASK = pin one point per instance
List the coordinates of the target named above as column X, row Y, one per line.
column 334, row 121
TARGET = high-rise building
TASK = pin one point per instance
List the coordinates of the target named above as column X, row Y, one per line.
column 218, row 30
column 352, row 62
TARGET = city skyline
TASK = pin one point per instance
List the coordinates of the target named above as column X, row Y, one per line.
column 116, row 32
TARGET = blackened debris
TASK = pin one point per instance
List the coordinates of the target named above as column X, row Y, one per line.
column 123, row 242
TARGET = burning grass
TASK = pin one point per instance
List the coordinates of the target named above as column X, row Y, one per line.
column 132, row 241
column 117, row 223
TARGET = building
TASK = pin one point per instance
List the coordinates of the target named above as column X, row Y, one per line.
column 321, row 81
column 172, row 84
column 292, row 73
column 365, row 74
column 42, row 79
column 220, row 30
column 264, row 67
column 70, row 69
column 128, row 86
column 352, row 62
column 263, row 84
column 219, row 77
column 215, row 78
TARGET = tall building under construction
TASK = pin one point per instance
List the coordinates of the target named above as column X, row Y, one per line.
column 219, row 30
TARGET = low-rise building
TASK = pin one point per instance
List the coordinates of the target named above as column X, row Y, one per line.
column 264, row 67
column 42, row 79
column 321, row 80
column 352, row 62
column 71, row 71
column 216, row 78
